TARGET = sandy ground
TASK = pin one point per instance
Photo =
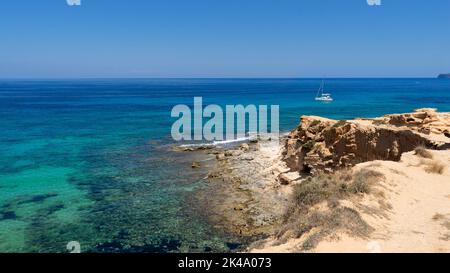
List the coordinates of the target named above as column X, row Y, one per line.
column 410, row 212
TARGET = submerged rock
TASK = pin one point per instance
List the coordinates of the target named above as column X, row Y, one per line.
column 8, row 215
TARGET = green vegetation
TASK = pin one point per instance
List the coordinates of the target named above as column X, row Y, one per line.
column 309, row 145
column 314, row 123
column 340, row 123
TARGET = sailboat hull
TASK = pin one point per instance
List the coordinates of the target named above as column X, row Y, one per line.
column 324, row 99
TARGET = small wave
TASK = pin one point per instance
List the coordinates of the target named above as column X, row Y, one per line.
column 229, row 141
column 223, row 143
column 199, row 145
column 217, row 143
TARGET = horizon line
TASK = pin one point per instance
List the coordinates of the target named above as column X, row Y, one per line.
column 224, row 78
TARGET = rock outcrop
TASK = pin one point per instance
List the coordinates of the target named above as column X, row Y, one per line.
column 321, row 144
column 444, row 76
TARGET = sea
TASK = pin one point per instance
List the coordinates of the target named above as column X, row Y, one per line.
column 91, row 161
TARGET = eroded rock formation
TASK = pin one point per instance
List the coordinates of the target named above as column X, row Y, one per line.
column 321, row 144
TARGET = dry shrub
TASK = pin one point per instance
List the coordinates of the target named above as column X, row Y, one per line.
column 423, row 152
column 435, row 167
column 446, row 224
column 300, row 218
column 363, row 180
column 342, row 218
column 438, row 217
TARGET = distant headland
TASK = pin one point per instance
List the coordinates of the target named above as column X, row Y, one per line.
column 444, row 76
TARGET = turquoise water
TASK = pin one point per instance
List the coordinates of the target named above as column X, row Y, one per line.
column 90, row 160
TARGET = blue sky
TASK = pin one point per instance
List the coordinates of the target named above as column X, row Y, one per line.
column 224, row 38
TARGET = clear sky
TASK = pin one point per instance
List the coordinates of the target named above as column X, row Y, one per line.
column 224, row 38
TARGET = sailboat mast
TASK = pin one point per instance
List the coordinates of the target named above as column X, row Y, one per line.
column 320, row 90
column 322, row 87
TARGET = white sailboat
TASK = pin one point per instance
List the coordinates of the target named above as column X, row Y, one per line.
column 323, row 96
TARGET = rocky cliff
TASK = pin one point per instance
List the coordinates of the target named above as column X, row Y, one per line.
column 320, row 144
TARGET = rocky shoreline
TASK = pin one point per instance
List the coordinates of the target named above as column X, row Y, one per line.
column 243, row 192
column 251, row 186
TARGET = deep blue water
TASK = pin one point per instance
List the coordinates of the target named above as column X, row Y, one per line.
column 89, row 160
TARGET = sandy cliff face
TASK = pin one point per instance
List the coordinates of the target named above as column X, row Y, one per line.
column 321, row 144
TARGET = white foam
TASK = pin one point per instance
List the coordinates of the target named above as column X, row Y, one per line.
column 218, row 143
column 228, row 141
column 197, row 145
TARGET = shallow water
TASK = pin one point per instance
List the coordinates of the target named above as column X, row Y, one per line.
column 90, row 160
